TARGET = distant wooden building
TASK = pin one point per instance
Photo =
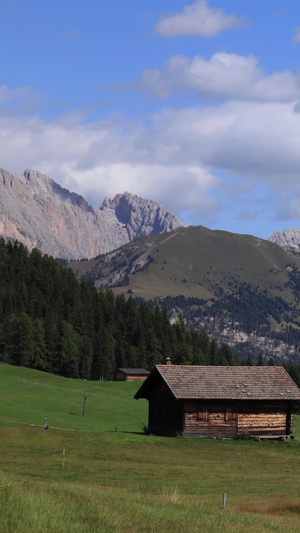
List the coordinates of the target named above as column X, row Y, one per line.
column 219, row 401
column 131, row 374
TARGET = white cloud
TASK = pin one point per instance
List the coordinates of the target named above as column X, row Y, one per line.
column 250, row 140
column 98, row 160
column 175, row 160
column 197, row 19
column 176, row 187
column 225, row 75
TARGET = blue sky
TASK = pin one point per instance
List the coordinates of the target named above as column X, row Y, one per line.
column 193, row 104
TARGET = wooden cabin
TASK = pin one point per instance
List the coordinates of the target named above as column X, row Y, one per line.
column 219, row 401
column 131, row 374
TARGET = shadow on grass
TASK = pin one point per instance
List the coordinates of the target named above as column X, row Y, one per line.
column 129, row 432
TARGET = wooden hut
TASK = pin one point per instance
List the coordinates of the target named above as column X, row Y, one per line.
column 219, row 401
column 131, row 374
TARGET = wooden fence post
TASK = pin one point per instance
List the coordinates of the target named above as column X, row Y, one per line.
column 63, row 461
column 224, row 501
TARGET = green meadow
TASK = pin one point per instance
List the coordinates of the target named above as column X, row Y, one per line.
column 28, row 395
column 81, row 475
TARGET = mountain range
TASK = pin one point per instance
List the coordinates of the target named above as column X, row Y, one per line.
column 39, row 213
column 243, row 290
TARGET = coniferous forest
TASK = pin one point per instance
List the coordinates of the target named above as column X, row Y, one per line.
column 52, row 322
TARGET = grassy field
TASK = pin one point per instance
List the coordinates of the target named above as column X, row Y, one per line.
column 28, row 395
column 127, row 481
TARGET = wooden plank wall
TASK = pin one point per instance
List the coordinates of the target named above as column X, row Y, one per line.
column 136, row 378
column 214, row 426
column 256, row 418
column 262, row 419
column 120, row 376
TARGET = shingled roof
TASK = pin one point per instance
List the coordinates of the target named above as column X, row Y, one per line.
column 224, row 382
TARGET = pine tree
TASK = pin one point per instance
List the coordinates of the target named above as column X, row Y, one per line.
column 20, row 339
column 214, row 352
column 40, row 356
column 260, row 361
column 69, row 351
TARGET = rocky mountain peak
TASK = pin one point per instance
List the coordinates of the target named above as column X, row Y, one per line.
column 289, row 238
column 141, row 217
column 38, row 212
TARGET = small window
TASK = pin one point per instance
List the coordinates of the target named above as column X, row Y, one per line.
column 202, row 413
column 230, row 414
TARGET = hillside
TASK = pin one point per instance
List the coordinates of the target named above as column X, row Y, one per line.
column 245, row 290
column 41, row 214
column 28, row 395
column 51, row 321
column 195, row 261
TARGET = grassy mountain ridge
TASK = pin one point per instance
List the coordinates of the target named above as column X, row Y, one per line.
column 241, row 283
column 194, row 261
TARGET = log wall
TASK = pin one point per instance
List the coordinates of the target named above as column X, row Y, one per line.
column 213, row 425
column 136, row 378
column 263, row 419
column 120, row 376
column 223, row 419
column 228, row 419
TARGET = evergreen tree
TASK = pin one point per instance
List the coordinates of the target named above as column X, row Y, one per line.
column 51, row 321
column 19, row 339
column 69, row 353
column 214, row 352
column 260, row 361
column 249, row 361
column 39, row 358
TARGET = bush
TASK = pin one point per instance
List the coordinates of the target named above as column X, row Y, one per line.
column 145, row 429
column 243, row 435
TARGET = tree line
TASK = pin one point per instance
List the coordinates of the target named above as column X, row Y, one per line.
column 53, row 322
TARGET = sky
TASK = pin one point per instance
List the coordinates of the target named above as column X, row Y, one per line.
column 193, row 104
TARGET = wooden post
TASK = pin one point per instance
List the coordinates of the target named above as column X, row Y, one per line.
column 64, row 458
column 84, row 403
column 224, row 501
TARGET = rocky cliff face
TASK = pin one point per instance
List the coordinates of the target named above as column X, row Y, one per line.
column 288, row 239
column 39, row 213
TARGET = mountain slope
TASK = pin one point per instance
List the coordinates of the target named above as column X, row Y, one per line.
column 244, row 290
column 195, row 261
column 39, row 213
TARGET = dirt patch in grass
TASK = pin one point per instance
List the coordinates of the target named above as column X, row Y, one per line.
column 278, row 508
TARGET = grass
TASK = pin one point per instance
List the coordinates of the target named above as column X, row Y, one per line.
column 196, row 261
column 120, row 482
column 27, row 396
column 126, row 481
